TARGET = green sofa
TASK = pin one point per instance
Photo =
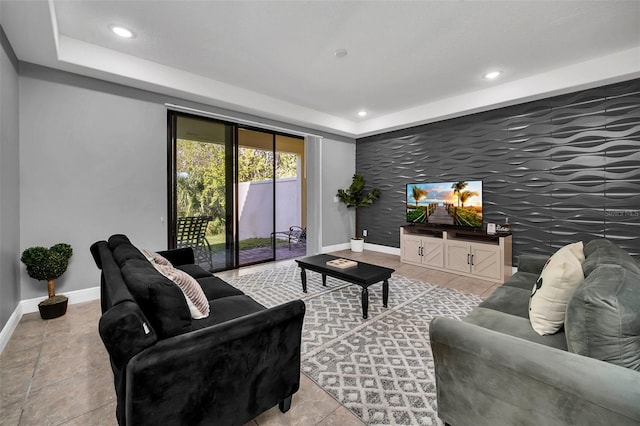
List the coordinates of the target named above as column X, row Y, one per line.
column 492, row 368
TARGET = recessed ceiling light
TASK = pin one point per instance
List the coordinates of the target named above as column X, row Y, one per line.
column 492, row 75
column 340, row 53
column 362, row 113
column 121, row 31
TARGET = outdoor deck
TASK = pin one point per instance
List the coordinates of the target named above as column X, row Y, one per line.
column 258, row 254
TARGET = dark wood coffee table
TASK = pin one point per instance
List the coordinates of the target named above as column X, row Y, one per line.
column 364, row 275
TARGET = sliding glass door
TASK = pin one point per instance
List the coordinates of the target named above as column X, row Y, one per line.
column 201, row 205
column 236, row 195
column 256, row 203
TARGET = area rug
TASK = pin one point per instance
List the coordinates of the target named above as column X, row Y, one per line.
column 380, row 368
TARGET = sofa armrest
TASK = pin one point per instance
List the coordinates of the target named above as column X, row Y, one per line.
column 125, row 331
column 485, row 377
column 224, row 374
column 531, row 263
column 179, row 256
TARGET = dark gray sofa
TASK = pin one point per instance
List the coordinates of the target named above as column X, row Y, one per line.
column 171, row 369
column 492, row 368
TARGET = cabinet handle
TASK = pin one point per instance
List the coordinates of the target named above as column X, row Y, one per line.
column 468, row 259
column 471, row 260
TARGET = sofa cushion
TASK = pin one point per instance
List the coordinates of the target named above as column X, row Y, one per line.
column 510, row 300
column 116, row 239
column 603, row 317
column 514, row 326
column 194, row 296
column 559, row 278
column 125, row 252
column 161, row 301
column 228, row 308
column 604, row 252
column 215, row 288
column 522, row 280
column 196, row 271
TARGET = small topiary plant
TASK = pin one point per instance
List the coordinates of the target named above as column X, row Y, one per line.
column 47, row 264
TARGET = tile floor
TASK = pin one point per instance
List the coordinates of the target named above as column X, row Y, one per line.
column 57, row 372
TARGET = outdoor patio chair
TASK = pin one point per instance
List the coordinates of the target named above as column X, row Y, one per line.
column 295, row 234
column 192, row 231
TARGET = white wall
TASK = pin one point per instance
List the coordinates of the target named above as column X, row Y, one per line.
column 92, row 163
column 9, row 182
column 338, row 168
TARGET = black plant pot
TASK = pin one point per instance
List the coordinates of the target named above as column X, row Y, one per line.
column 53, row 308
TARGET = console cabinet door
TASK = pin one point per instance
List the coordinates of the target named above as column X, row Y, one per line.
column 411, row 249
column 432, row 252
column 458, row 256
column 485, row 261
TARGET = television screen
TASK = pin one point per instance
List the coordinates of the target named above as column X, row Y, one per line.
column 445, row 203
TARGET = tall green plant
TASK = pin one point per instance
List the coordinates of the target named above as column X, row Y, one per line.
column 355, row 196
column 47, row 264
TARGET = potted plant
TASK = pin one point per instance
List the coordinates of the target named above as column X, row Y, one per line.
column 355, row 196
column 48, row 264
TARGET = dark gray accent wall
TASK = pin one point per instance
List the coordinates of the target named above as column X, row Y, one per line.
column 561, row 169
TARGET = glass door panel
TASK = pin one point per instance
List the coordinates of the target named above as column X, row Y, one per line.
column 256, row 168
column 203, row 191
column 291, row 226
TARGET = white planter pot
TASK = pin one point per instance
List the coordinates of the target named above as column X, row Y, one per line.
column 357, row 245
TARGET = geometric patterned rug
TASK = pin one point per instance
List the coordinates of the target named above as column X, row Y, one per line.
column 380, row 368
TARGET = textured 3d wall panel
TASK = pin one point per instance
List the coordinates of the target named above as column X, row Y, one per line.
column 560, row 169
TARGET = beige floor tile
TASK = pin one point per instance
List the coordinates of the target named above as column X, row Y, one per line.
column 55, row 372
column 10, row 412
column 102, row 416
column 15, row 380
column 67, row 399
column 309, row 404
column 27, row 336
column 341, row 417
column 469, row 285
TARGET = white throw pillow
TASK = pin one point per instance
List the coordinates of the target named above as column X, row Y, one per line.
column 193, row 293
column 154, row 257
column 560, row 277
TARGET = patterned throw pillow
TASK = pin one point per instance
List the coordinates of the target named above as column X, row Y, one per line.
column 154, row 257
column 196, row 299
column 560, row 277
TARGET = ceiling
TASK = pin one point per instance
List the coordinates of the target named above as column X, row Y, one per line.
column 407, row 63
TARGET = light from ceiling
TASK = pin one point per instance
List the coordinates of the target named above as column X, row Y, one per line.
column 492, row 75
column 121, row 31
column 362, row 113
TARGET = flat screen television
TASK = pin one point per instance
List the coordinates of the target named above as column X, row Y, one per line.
column 456, row 203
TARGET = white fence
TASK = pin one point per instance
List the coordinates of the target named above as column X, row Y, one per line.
column 255, row 207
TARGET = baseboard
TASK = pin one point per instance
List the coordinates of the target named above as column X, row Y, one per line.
column 31, row 305
column 367, row 246
column 382, row 249
column 10, row 327
column 77, row 296
column 335, row 247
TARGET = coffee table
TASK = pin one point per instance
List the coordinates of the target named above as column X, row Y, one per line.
column 364, row 275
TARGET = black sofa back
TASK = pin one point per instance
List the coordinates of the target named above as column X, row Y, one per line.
column 225, row 369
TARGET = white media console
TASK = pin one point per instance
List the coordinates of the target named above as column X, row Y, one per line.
column 460, row 251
